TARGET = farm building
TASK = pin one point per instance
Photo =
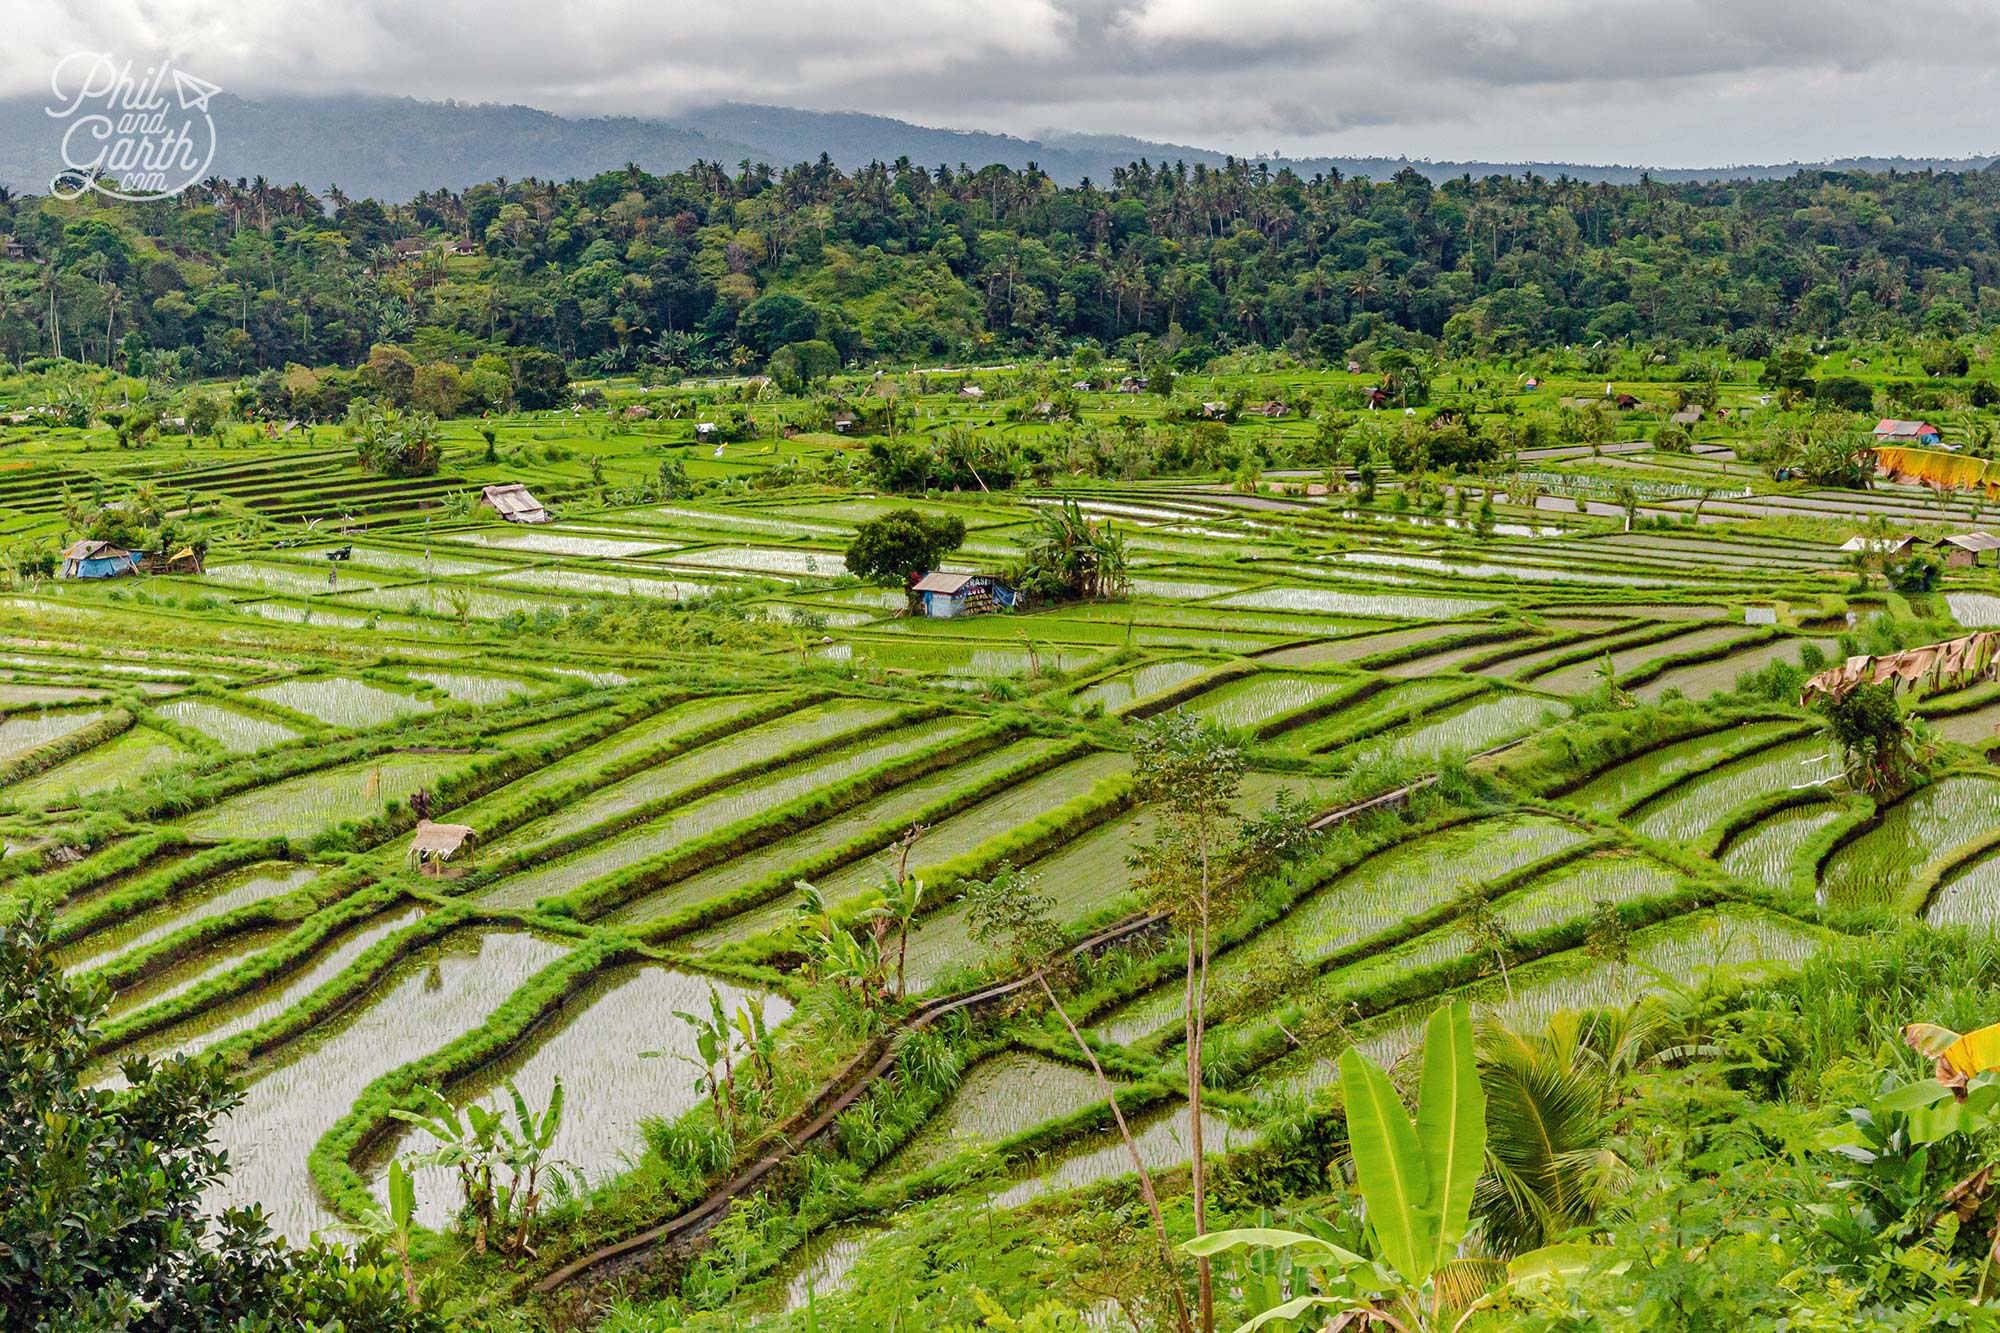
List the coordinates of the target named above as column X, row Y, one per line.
column 947, row 595
column 1889, row 430
column 98, row 560
column 1882, row 545
column 1961, row 550
column 435, row 844
column 513, row 503
column 418, row 246
column 1625, row 402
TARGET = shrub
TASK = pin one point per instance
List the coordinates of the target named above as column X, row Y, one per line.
column 101, row 1210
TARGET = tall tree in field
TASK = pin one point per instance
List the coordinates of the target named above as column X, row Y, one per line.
column 1191, row 773
column 903, row 545
column 1007, row 915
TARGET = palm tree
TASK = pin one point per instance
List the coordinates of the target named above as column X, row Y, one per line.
column 1069, row 556
column 1406, row 374
column 51, row 277
column 1552, row 1096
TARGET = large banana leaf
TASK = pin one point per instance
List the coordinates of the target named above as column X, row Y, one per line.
column 1295, row 1307
column 1936, row 467
column 1553, row 1262
column 1928, row 1038
column 1307, row 1248
column 402, row 1195
column 1391, row 1168
column 1975, row 1052
column 1539, row 1271
column 1956, row 1059
column 1451, row 1123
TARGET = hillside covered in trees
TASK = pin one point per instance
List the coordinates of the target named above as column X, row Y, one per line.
column 710, row 270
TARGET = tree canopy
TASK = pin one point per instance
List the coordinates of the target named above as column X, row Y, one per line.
column 706, row 269
column 102, row 1221
column 903, row 545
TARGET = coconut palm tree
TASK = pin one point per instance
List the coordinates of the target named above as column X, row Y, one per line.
column 1552, row 1095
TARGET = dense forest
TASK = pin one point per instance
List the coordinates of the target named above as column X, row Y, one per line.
column 709, row 269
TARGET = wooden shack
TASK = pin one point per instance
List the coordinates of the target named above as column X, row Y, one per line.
column 187, row 560
column 948, row 595
column 513, row 503
column 1961, row 550
column 1891, row 430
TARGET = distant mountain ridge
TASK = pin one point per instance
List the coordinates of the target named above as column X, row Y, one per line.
column 393, row 148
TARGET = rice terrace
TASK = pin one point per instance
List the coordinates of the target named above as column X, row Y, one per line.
column 1340, row 824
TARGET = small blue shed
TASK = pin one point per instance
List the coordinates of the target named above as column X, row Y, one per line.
column 98, row 560
column 947, row 595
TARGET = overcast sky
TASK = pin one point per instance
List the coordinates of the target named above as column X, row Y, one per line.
column 1654, row 82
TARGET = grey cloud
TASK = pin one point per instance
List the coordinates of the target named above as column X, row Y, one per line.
column 1674, row 81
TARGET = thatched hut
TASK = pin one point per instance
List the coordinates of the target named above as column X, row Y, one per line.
column 435, row 844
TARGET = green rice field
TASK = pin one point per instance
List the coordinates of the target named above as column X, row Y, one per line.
column 657, row 719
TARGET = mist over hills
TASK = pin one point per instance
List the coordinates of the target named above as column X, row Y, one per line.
column 392, row 148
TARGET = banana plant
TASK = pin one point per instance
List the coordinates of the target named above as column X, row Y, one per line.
column 468, row 1141
column 478, row 1143
column 715, row 1074
column 402, row 1210
column 1416, row 1179
column 393, row 1226
column 814, row 915
column 759, row 1043
column 856, row 965
column 902, row 896
column 1962, row 1096
column 526, row 1154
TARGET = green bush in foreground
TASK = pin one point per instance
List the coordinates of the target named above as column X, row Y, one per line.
column 101, row 1217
